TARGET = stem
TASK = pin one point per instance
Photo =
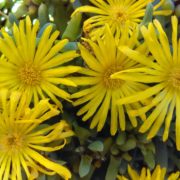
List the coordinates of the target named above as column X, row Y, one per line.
column 3, row 14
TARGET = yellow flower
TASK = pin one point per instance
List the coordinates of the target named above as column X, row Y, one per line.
column 35, row 66
column 102, row 58
column 117, row 14
column 22, row 138
column 158, row 174
column 162, row 68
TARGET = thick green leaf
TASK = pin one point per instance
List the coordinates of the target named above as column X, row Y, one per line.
column 96, row 146
column 13, row 19
column 43, row 14
column 168, row 5
column 161, row 153
column 42, row 177
column 129, row 145
column 60, row 15
column 37, row 1
column 85, row 165
column 149, row 159
column 148, row 15
column 70, row 46
column 82, row 134
column 113, row 167
column 107, row 145
column 121, row 138
column 72, row 30
column 44, row 27
column 114, row 150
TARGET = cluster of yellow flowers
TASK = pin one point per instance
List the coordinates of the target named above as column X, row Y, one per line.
column 122, row 75
column 158, row 174
column 30, row 74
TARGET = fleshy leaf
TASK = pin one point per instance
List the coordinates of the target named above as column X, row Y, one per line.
column 96, row 146
column 85, row 165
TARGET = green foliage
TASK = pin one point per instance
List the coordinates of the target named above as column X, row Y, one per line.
column 85, row 165
column 96, row 146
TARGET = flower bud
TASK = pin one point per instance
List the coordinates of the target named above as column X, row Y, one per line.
column 168, row 5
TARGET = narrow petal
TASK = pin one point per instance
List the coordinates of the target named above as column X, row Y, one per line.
column 62, row 171
column 142, row 95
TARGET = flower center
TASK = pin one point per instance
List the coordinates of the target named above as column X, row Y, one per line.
column 112, row 83
column 119, row 15
column 12, row 142
column 29, row 75
column 174, row 77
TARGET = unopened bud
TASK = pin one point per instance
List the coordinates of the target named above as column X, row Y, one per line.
column 168, row 5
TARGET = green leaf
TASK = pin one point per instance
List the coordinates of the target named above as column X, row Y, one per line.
column 96, row 146
column 72, row 30
column 148, row 15
column 149, row 159
column 113, row 167
column 129, row 145
column 13, row 19
column 76, row 4
column 85, row 165
column 123, row 167
column 44, row 27
column 82, row 134
column 142, row 148
column 127, row 157
column 151, row 147
column 55, row 177
column 121, row 138
column 40, row 127
column 42, row 177
column 114, row 150
column 168, row 5
column 43, row 14
column 161, row 153
column 22, row 10
column 70, row 46
column 60, row 15
column 107, row 145
column 143, row 138
column 61, row 162
column 37, row 1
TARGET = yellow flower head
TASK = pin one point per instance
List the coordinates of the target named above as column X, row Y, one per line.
column 100, row 93
column 162, row 68
column 22, row 139
column 117, row 14
column 158, row 174
column 35, row 66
